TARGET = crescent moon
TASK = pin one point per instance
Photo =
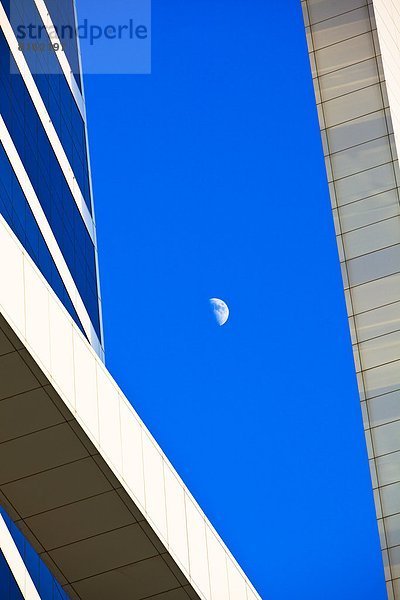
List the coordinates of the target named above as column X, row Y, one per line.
column 220, row 310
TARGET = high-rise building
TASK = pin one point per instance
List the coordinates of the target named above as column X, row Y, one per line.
column 354, row 50
column 90, row 506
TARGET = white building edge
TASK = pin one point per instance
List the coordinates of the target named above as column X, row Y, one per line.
column 354, row 50
column 80, row 474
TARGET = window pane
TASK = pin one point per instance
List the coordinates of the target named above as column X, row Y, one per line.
column 353, row 105
column 378, row 322
column 394, row 555
column 324, row 9
column 381, row 350
column 368, row 183
column 382, row 380
column 372, row 237
column 368, row 211
column 348, row 80
column 376, row 293
column 341, row 28
column 390, row 498
column 362, row 157
column 386, row 438
column 388, row 468
column 392, row 528
column 345, row 53
column 373, row 266
column 357, row 131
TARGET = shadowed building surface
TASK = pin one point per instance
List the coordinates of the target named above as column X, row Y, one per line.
column 67, row 501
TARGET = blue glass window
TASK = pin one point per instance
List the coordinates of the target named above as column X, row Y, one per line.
column 53, row 87
column 45, row 174
column 62, row 13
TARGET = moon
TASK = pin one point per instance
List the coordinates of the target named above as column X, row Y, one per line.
column 220, row 310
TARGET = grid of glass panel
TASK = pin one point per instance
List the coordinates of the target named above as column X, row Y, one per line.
column 53, row 87
column 364, row 177
column 62, row 13
column 45, row 174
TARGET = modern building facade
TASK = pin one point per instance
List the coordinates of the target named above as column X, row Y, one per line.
column 90, row 507
column 354, row 50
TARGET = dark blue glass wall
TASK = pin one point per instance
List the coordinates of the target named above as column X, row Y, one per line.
column 44, row 171
column 53, row 87
column 47, row 587
column 62, row 14
column 9, row 589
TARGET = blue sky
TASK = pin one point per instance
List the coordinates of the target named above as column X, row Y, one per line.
column 209, row 182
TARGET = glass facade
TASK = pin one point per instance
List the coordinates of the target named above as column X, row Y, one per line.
column 53, row 87
column 37, row 199
column 45, row 173
column 63, row 14
column 47, row 587
column 16, row 211
column 352, row 49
